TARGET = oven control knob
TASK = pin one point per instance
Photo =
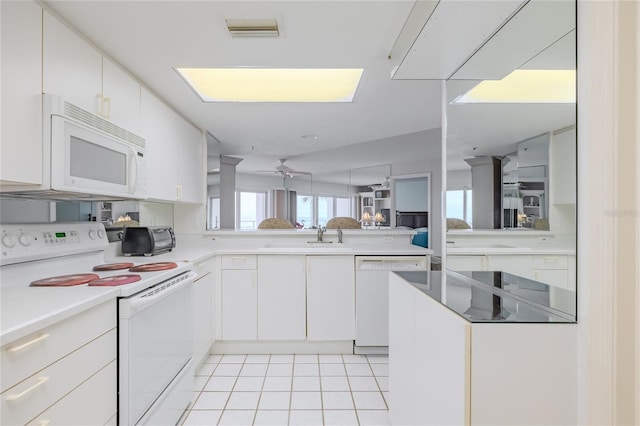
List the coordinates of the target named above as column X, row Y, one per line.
column 9, row 240
column 25, row 239
column 101, row 234
column 92, row 234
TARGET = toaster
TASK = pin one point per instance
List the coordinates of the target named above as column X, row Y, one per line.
column 147, row 240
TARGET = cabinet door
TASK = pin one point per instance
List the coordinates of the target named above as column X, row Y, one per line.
column 515, row 264
column 281, row 297
column 122, row 96
column 162, row 170
column 191, row 176
column 203, row 310
column 239, row 305
column 21, row 81
column 562, row 168
column 71, row 66
column 465, row 263
column 330, row 298
column 554, row 277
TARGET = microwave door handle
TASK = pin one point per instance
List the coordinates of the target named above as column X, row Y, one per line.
column 133, row 183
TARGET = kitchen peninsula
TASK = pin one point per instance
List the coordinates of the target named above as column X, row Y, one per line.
column 503, row 350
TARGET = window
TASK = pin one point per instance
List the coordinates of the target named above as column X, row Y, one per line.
column 251, row 209
column 316, row 210
column 343, row 207
column 304, row 210
column 459, row 203
column 325, row 210
column 213, row 220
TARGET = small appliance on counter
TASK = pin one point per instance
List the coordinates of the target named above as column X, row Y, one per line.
column 147, row 240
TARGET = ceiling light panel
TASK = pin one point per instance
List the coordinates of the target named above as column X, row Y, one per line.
column 525, row 86
column 273, row 84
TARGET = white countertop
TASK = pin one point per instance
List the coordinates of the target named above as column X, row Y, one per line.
column 26, row 310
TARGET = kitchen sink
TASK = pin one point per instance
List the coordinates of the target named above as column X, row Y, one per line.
column 310, row 245
column 482, row 245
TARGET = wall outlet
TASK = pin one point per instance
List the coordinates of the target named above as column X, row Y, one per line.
column 387, row 239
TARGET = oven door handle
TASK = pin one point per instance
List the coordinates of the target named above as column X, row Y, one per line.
column 140, row 301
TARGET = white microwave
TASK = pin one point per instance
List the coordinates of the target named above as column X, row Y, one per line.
column 86, row 157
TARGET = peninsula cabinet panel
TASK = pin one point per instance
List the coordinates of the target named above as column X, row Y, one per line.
column 281, row 297
column 330, row 298
column 21, row 82
column 444, row 369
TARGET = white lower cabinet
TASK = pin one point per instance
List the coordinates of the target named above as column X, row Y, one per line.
column 203, row 309
column 281, row 297
column 58, row 367
column 239, row 298
column 330, row 298
column 287, row 298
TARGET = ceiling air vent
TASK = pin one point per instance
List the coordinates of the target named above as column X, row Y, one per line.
column 252, row 27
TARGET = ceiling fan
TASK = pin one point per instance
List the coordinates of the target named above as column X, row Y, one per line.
column 285, row 171
column 384, row 185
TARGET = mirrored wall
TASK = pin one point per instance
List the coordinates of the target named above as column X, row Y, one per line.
column 511, row 150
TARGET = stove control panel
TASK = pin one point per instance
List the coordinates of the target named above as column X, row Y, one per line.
column 25, row 242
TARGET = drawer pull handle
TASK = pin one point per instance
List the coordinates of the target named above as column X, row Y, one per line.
column 17, row 396
column 29, row 343
column 238, row 258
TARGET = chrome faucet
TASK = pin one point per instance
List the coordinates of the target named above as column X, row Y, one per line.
column 321, row 230
column 339, row 236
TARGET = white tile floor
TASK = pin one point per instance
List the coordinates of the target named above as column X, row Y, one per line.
column 291, row 390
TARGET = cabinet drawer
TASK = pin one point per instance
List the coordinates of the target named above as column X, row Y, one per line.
column 550, row 262
column 205, row 266
column 239, row 261
column 465, row 263
column 32, row 396
column 91, row 403
column 32, row 353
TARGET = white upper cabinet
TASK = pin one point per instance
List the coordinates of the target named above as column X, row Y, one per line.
column 121, row 97
column 21, row 82
column 175, row 159
column 75, row 70
column 191, row 162
column 157, row 129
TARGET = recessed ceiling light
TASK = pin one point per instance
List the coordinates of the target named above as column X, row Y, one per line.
column 309, row 137
column 525, row 86
column 273, row 84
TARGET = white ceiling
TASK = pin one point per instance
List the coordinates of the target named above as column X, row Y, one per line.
column 150, row 38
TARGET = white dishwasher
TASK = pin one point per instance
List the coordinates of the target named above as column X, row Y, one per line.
column 372, row 298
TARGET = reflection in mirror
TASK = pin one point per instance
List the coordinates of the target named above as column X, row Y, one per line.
column 373, row 189
column 511, row 163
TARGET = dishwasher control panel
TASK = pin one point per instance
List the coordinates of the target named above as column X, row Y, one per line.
column 391, row 263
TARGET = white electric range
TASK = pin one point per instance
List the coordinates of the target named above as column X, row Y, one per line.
column 155, row 371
